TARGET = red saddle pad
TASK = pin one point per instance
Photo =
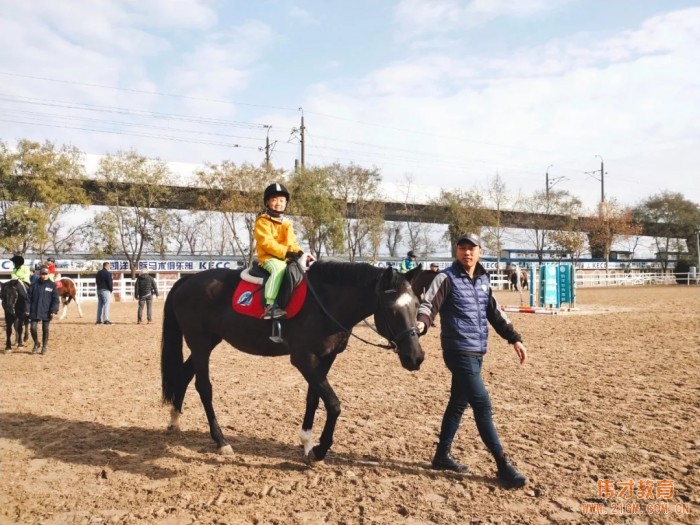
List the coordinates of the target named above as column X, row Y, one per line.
column 246, row 300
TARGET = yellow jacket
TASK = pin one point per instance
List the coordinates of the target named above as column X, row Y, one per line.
column 22, row 273
column 274, row 238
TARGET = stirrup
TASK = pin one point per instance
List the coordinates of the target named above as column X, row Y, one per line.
column 276, row 336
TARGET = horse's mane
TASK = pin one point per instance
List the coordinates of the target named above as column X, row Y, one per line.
column 337, row 272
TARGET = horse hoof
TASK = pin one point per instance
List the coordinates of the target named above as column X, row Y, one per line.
column 311, row 459
column 226, row 450
column 173, row 429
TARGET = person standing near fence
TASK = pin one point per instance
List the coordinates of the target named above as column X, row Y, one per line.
column 105, row 285
column 144, row 289
column 43, row 305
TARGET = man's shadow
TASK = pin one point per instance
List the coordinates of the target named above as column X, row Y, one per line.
column 137, row 449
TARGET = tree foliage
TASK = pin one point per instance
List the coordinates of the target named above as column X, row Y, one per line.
column 134, row 187
column 356, row 190
column 316, row 214
column 39, row 185
column 668, row 208
column 611, row 223
column 462, row 211
column 239, row 200
column 545, row 212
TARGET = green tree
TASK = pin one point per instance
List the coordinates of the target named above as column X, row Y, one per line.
column 670, row 212
column 316, row 213
column 39, row 185
column 135, row 187
column 462, row 211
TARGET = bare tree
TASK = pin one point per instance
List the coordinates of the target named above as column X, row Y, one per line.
column 135, row 186
column 357, row 190
column 239, row 199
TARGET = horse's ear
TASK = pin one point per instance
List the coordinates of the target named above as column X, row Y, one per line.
column 412, row 274
column 387, row 278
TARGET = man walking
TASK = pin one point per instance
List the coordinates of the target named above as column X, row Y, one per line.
column 462, row 295
column 144, row 289
column 43, row 305
column 105, row 284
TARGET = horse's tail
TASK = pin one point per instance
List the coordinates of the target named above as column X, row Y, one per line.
column 171, row 358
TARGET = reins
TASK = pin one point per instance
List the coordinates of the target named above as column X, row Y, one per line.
column 390, row 346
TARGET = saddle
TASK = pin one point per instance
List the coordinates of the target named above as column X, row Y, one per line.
column 291, row 295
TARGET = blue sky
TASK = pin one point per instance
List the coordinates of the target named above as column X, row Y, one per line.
column 444, row 93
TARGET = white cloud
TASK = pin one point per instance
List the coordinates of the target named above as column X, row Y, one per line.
column 630, row 98
column 302, row 16
column 417, row 17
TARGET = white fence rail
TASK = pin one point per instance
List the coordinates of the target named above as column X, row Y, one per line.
column 124, row 287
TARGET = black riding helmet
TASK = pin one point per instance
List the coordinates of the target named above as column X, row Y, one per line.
column 274, row 190
column 17, row 260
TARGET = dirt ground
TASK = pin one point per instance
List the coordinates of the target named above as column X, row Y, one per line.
column 611, row 395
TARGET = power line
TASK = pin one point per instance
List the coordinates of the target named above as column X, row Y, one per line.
column 144, row 92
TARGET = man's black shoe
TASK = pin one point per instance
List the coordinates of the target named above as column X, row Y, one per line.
column 508, row 475
column 443, row 460
column 107, row 322
column 98, row 322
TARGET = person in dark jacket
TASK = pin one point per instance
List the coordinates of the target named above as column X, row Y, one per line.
column 105, row 284
column 462, row 295
column 144, row 289
column 43, row 305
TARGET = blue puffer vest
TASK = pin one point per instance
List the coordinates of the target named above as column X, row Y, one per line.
column 463, row 314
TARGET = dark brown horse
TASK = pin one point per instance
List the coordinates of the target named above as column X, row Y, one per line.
column 13, row 304
column 515, row 283
column 340, row 295
column 68, row 292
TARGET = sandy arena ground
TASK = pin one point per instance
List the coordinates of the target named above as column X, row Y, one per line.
column 611, row 395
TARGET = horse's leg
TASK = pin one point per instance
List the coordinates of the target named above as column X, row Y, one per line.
column 8, row 333
column 187, row 373
column 201, row 349
column 26, row 329
column 77, row 303
column 19, row 327
column 312, row 399
column 64, row 310
column 315, row 375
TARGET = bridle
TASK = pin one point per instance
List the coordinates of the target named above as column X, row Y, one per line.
column 394, row 339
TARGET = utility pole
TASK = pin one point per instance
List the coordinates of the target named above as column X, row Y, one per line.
column 302, row 142
column 301, row 133
column 268, row 147
column 549, row 185
column 602, row 179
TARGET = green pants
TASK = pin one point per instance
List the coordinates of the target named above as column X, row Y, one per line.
column 276, row 268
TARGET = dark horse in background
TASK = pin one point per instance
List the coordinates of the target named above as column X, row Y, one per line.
column 518, row 279
column 14, row 306
column 340, row 295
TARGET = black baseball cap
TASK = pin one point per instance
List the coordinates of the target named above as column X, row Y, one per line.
column 44, row 270
column 472, row 238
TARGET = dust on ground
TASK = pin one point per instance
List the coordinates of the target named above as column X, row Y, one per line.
column 611, row 395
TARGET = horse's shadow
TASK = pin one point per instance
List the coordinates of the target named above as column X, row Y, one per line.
column 138, row 449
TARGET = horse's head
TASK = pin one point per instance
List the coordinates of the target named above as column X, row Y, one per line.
column 395, row 317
